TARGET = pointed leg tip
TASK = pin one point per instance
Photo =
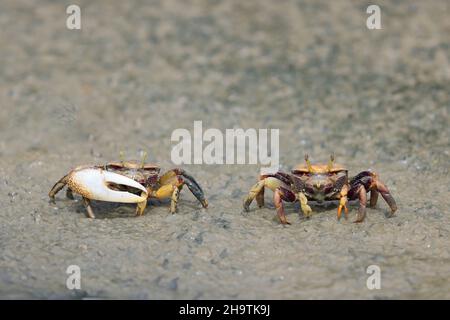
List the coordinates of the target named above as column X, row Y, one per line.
column 391, row 214
column 359, row 219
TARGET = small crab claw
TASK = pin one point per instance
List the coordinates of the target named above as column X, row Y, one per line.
column 94, row 184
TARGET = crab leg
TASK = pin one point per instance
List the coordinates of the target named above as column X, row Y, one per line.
column 381, row 188
column 89, row 211
column 306, row 209
column 260, row 198
column 69, row 194
column 174, row 200
column 57, row 187
column 277, row 199
column 281, row 192
column 254, row 191
column 343, row 202
column 373, row 197
column 141, row 205
column 179, row 177
column 370, row 182
column 362, row 194
column 271, row 181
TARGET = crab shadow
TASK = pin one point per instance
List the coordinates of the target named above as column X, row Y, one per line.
column 111, row 210
column 317, row 208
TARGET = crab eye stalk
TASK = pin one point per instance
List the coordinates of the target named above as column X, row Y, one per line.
column 330, row 162
column 121, row 157
column 308, row 163
column 143, row 158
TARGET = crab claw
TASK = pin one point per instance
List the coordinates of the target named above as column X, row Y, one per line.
column 96, row 184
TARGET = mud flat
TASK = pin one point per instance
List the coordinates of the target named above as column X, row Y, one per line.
column 379, row 99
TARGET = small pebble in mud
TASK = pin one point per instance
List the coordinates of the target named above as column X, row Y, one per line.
column 276, row 279
column 187, row 265
column 173, row 284
column 199, row 238
column 236, row 193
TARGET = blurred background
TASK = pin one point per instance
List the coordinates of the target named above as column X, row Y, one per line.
column 137, row 70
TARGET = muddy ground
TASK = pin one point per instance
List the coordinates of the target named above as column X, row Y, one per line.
column 137, row 70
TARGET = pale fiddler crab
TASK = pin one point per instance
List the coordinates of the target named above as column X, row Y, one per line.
column 320, row 182
column 127, row 182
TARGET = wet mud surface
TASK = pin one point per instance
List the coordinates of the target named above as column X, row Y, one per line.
column 136, row 71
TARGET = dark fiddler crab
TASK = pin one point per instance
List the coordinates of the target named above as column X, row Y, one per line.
column 127, row 182
column 320, row 182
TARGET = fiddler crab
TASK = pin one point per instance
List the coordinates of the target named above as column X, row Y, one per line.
column 127, row 182
column 320, row 182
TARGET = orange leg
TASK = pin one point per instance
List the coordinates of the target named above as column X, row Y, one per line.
column 343, row 202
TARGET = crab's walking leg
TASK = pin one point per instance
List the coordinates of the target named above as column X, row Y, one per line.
column 271, row 181
column 260, row 198
column 370, row 182
column 343, row 200
column 174, row 199
column 281, row 192
column 140, row 207
column 89, row 211
column 195, row 188
column 171, row 184
column 57, row 187
column 179, row 177
column 373, row 197
column 362, row 195
column 306, row 209
column 277, row 199
column 69, row 194
column 381, row 188
column 254, row 191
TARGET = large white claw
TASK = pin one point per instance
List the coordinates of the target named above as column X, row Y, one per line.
column 93, row 184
